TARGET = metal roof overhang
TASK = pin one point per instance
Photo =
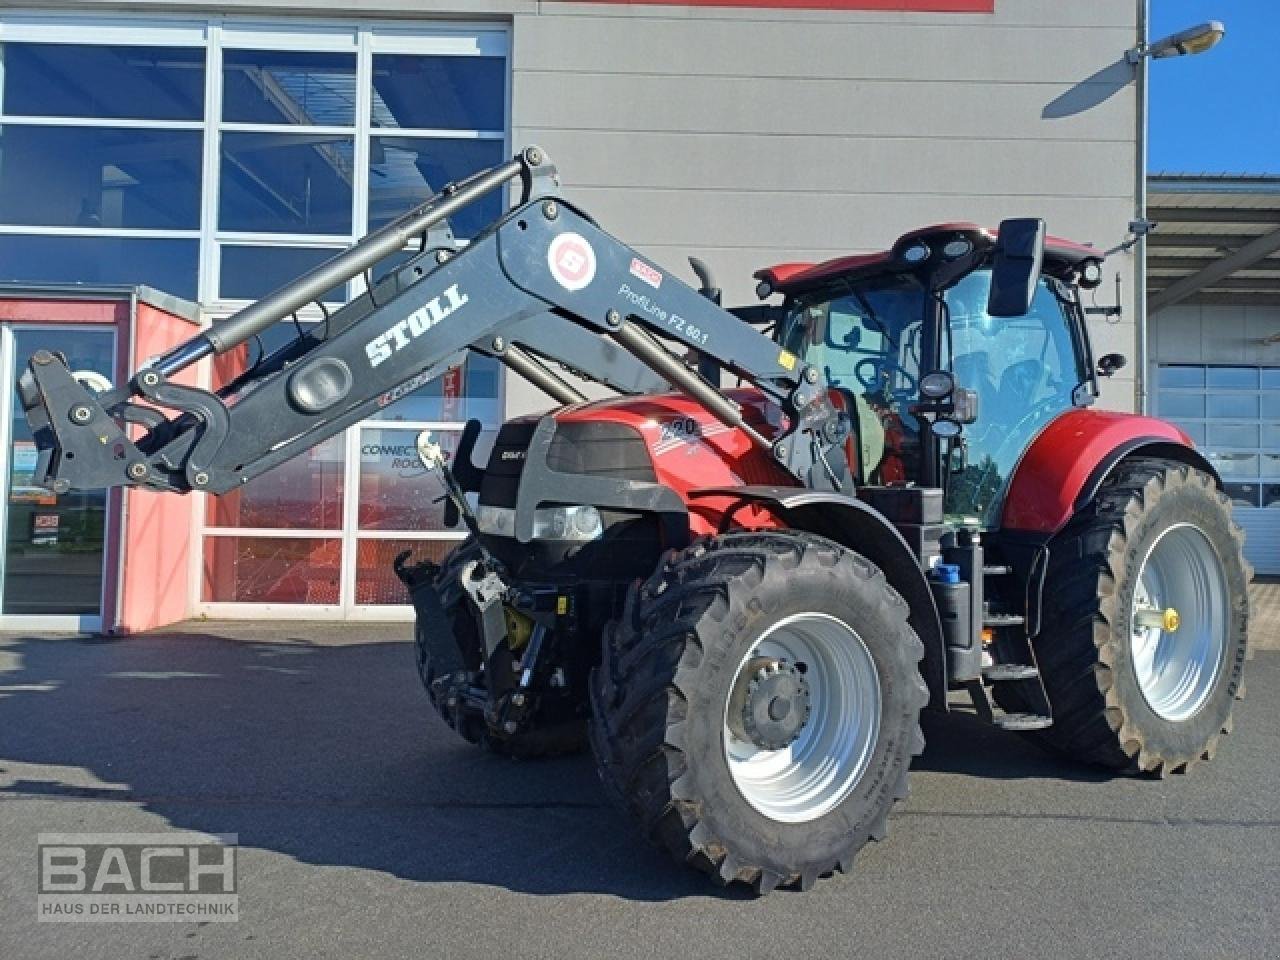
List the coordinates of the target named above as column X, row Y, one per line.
column 1218, row 240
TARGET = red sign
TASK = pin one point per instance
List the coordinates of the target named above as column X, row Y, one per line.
column 918, row 6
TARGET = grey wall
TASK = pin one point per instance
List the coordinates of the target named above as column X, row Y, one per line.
column 753, row 136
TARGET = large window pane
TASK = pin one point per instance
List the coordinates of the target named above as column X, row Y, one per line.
column 1234, row 464
column 168, row 265
column 81, row 80
column 1236, row 378
column 96, row 177
column 1176, row 376
column 1233, row 406
column 251, row 272
column 293, row 183
column 446, row 400
column 404, row 171
column 439, row 93
column 376, row 580
column 396, row 491
column 1233, row 434
column 308, row 89
column 304, row 493
column 271, row 570
column 1177, row 405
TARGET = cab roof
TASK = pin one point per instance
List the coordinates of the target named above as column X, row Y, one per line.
column 1061, row 257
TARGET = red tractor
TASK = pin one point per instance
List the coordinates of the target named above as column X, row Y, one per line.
column 744, row 596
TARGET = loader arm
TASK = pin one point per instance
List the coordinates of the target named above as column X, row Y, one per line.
column 543, row 277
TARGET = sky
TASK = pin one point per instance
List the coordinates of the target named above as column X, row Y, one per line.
column 1218, row 112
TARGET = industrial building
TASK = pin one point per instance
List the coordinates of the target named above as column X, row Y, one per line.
column 213, row 150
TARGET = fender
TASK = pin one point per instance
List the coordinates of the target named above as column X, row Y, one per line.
column 854, row 524
column 1068, row 461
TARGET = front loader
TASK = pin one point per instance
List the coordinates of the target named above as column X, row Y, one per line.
column 742, row 596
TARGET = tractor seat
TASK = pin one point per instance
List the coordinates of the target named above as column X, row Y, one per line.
column 1021, row 384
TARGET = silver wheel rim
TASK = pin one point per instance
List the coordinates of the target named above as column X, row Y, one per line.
column 1177, row 669
column 818, row 771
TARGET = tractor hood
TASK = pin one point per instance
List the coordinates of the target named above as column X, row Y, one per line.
column 660, row 446
column 687, row 446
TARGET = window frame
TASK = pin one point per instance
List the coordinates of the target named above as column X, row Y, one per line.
column 214, row 34
column 364, row 38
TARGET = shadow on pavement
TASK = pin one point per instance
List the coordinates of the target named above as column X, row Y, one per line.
column 330, row 754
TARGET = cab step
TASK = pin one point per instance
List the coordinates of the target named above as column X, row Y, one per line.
column 1003, row 619
column 1021, row 721
column 1002, row 672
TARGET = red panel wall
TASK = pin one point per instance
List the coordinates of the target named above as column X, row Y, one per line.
column 158, row 542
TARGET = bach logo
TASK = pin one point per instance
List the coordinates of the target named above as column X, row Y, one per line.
column 572, row 261
column 137, row 878
column 381, row 348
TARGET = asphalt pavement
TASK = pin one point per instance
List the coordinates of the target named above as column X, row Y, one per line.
column 367, row 829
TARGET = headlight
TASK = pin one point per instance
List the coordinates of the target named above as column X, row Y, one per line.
column 579, row 524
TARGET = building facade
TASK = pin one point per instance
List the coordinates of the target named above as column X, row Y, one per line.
column 215, row 150
column 1214, row 295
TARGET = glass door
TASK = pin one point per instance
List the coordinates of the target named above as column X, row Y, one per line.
column 51, row 572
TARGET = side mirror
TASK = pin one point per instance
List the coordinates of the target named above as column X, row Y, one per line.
column 1016, row 268
column 1109, row 363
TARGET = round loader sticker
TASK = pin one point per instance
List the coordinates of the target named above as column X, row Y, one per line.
column 571, row 261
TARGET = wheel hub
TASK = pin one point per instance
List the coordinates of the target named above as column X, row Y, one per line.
column 1179, row 622
column 770, row 705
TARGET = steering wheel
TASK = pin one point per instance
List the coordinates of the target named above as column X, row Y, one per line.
column 873, row 374
column 1041, row 411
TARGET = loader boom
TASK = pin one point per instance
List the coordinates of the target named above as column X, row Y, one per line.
column 542, row 282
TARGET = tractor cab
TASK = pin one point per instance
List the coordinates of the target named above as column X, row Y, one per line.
column 944, row 381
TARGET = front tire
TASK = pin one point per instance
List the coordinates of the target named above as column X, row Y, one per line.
column 1145, row 623
column 757, row 707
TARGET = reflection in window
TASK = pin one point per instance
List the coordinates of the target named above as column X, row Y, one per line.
column 271, row 570
column 99, row 177
column 83, row 80
column 376, row 581
column 304, row 493
column 1235, row 464
column 168, row 265
column 1024, row 370
column 396, row 491
column 405, row 171
column 250, row 272
column 297, row 88
column 293, row 183
column 447, row 400
column 439, row 93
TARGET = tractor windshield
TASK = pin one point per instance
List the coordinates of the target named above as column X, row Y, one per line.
column 868, row 339
column 1024, row 370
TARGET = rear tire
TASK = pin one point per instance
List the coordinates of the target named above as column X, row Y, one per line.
column 668, row 733
column 1128, row 693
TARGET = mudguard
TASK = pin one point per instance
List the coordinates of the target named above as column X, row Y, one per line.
column 854, row 524
column 1065, row 465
